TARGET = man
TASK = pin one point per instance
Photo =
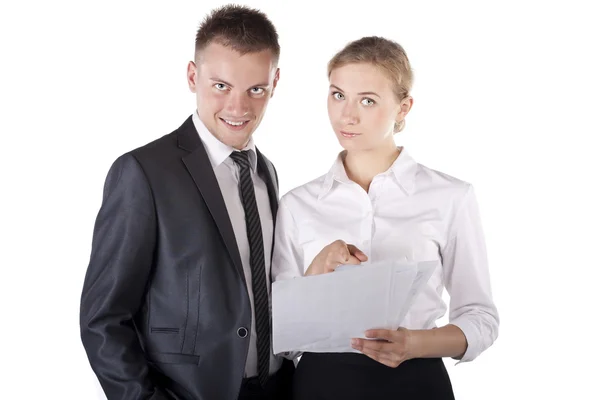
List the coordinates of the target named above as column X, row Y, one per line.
column 175, row 300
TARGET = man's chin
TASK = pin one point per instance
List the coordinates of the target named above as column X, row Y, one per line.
column 237, row 140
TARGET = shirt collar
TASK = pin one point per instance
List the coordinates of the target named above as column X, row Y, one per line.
column 218, row 152
column 403, row 169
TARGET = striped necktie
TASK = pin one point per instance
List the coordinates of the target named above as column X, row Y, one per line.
column 257, row 264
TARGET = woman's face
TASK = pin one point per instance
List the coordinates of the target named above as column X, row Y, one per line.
column 363, row 107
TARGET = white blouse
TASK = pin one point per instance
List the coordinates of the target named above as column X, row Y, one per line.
column 410, row 213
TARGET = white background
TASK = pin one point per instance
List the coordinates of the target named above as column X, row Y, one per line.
column 506, row 97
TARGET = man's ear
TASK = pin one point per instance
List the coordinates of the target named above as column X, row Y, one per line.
column 275, row 80
column 192, row 76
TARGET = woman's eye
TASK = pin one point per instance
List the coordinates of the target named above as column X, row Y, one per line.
column 338, row 96
column 367, row 102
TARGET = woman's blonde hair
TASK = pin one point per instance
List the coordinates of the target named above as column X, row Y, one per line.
column 383, row 53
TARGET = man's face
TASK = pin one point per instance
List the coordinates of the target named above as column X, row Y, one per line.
column 232, row 91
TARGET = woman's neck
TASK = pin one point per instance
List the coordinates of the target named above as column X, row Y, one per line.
column 362, row 166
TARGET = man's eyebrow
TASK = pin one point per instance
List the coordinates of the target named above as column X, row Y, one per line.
column 221, row 81
column 215, row 79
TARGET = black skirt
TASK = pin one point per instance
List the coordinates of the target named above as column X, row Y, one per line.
column 338, row 376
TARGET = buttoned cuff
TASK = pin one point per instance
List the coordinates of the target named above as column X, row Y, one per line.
column 472, row 335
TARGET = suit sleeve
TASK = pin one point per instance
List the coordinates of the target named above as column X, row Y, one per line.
column 276, row 178
column 115, row 283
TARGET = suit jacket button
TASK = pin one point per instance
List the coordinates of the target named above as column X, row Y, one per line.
column 242, row 332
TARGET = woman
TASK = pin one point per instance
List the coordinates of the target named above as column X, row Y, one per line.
column 377, row 204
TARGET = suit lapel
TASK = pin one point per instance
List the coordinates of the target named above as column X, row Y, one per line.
column 200, row 168
column 267, row 173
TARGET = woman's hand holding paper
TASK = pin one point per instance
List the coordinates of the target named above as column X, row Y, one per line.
column 334, row 255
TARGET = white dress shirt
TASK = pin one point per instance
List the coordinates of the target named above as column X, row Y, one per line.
column 227, row 173
column 410, row 213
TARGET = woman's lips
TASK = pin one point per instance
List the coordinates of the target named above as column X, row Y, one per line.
column 349, row 134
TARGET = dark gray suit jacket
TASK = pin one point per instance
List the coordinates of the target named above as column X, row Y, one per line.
column 164, row 303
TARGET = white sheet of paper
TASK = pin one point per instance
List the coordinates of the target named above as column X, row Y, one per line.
column 323, row 313
column 424, row 271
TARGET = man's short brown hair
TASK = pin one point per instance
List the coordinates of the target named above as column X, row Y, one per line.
column 243, row 29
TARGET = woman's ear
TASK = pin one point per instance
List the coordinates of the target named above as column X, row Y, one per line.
column 405, row 106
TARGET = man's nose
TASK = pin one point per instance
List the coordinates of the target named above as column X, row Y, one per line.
column 238, row 105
